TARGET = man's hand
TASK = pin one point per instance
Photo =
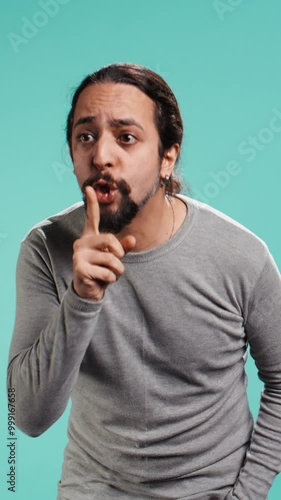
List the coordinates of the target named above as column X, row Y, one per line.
column 97, row 256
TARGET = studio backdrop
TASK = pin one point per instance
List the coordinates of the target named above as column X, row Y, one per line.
column 222, row 60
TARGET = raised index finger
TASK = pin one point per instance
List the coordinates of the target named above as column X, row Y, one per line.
column 93, row 210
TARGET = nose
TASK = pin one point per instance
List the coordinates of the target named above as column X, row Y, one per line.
column 103, row 153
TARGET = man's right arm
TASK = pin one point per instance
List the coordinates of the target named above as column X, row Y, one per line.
column 51, row 335
column 49, row 341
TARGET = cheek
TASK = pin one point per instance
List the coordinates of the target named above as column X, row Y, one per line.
column 79, row 178
column 80, row 157
column 81, row 171
column 143, row 181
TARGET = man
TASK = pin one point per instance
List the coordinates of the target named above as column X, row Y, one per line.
column 142, row 311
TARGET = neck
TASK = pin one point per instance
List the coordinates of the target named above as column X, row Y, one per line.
column 156, row 222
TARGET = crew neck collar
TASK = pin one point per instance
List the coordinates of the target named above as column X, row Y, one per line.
column 173, row 242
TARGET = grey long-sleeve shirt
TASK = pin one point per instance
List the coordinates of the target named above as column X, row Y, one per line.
column 155, row 370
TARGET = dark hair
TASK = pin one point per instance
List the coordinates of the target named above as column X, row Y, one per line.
column 167, row 117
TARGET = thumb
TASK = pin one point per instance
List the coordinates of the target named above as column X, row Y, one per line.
column 128, row 243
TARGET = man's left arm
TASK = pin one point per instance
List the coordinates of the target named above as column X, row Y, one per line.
column 263, row 330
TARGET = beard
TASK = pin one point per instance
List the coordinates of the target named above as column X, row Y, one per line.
column 114, row 221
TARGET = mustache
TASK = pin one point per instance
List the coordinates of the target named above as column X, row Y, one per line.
column 122, row 186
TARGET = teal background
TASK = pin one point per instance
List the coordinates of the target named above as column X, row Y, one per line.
column 224, row 67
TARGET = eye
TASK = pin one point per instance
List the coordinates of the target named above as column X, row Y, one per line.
column 128, row 138
column 85, row 138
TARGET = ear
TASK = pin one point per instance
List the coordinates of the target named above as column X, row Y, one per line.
column 169, row 160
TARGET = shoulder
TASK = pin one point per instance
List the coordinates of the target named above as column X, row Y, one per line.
column 69, row 219
column 61, row 228
column 224, row 237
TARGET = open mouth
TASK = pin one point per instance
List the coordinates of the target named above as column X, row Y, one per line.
column 105, row 191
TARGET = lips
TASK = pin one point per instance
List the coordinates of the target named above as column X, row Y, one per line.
column 105, row 191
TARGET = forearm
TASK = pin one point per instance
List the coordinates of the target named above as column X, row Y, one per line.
column 43, row 374
column 263, row 458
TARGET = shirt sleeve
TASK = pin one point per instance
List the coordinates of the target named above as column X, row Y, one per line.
column 263, row 329
column 49, row 341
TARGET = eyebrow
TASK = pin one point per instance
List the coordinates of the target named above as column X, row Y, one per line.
column 114, row 122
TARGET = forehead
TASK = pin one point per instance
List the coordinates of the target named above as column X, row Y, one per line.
column 115, row 100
